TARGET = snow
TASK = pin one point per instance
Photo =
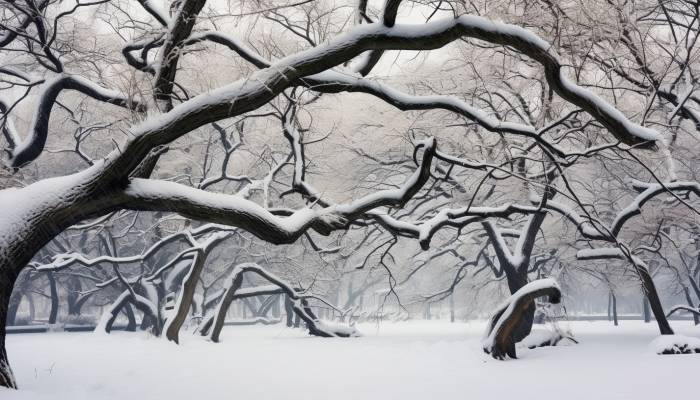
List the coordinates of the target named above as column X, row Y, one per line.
column 24, row 203
column 408, row 360
column 538, row 337
column 675, row 344
column 159, row 190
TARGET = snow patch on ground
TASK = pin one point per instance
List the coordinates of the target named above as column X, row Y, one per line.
column 407, row 360
column 675, row 344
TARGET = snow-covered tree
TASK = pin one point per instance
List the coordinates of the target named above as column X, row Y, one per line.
column 146, row 104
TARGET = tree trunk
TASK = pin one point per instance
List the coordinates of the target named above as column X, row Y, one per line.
column 452, row 307
column 7, row 281
column 222, row 308
column 13, row 307
column 184, row 302
column 53, row 314
column 289, row 310
column 524, row 324
column 654, row 302
column 73, row 296
column 131, row 325
column 614, row 307
column 499, row 341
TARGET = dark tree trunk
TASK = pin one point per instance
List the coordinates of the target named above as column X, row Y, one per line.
column 19, row 291
column 223, row 307
column 654, row 302
column 614, row 307
column 609, row 306
column 7, row 281
column 503, row 324
column 53, row 314
column 524, row 324
column 73, row 296
column 13, row 307
column 131, row 325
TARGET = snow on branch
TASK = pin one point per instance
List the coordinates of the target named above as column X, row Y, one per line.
column 32, row 146
column 652, row 190
column 259, row 88
column 682, row 307
column 156, row 12
column 156, row 195
column 498, row 338
column 252, row 92
column 233, row 291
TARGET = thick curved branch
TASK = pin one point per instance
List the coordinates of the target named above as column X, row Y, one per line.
column 154, row 195
column 32, row 146
column 253, row 92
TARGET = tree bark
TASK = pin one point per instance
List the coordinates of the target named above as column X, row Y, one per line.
column 654, row 302
column 524, row 324
column 507, row 319
column 7, row 281
column 223, row 306
column 53, row 314
column 131, row 325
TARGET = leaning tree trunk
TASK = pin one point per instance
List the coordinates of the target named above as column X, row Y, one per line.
column 499, row 338
column 654, row 302
column 517, row 281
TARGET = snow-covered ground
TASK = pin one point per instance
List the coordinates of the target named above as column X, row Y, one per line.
column 410, row 360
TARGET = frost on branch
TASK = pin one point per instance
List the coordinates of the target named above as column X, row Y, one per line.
column 498, row 338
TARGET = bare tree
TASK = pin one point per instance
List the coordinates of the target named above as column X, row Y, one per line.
column 159, row 109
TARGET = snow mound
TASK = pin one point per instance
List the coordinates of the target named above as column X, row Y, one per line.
column 545, row 337
column 337, row 329
column 675, row 344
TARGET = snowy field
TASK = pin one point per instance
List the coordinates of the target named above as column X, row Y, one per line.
column 410, row 360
